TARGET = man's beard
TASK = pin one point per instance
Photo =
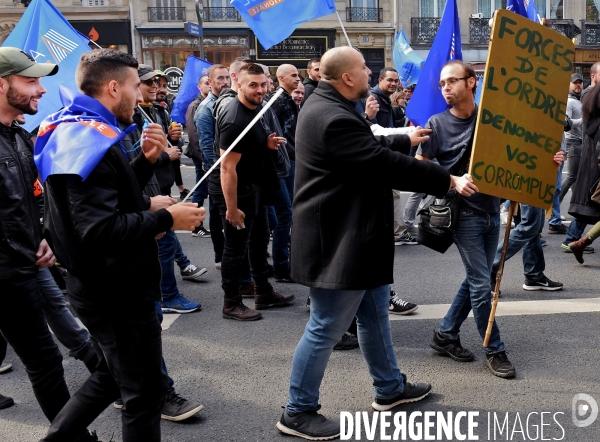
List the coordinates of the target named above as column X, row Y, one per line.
column 253, row 100
column 20, row 101
column 161, row 97
column 365, row 93
column 123, row 111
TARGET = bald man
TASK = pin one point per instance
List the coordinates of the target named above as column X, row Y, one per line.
column 342, row 241
column 286, row 111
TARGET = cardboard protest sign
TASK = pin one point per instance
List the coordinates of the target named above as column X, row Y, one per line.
column 522, row 111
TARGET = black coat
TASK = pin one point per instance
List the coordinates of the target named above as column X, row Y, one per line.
column 309, row 87
column 343, row 235
column 581, row 206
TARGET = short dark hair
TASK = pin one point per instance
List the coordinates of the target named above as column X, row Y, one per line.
column 200, row 79
column 237, row 63
column 386, row 70
column 211, row 70
column 311, row 62
column 589, row 105
column 100, row 66
column 251, row 69
column 469, row 71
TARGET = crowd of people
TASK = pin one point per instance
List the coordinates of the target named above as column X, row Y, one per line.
column 290, row 178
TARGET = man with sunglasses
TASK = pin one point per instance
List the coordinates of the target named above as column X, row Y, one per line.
column 477, row 235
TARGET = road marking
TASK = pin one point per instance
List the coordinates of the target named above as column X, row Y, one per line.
column 513, row 308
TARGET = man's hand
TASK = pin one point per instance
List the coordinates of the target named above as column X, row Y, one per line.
column 463, row 185
column 235, row 218
column 175, row 131
column 559, row 157
column 45, row 256
column 161, row 202
column 186, row 216
column 160, row 235
column 174, row 153
column 273, row 141
column 418, row 135
column 372, row 107
column 153, row 142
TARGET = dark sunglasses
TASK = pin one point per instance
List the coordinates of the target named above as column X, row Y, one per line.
column 151, row 81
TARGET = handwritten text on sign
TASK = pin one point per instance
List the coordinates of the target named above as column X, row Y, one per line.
column 522, row 111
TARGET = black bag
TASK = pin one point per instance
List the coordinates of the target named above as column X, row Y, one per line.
column 435, row 238
column 445, row 212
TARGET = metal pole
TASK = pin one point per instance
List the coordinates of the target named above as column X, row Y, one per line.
column 200, row 15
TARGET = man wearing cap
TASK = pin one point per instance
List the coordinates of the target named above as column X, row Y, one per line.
column 23, row 250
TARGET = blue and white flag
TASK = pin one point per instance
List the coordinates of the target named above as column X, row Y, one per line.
column 406, row 61
column 526, row 8
column 188, row 89
column 47, row 36
column 427, row 99
column 274, row 20
column 74, row 140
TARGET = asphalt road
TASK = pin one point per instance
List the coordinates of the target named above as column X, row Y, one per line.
column 240, row 371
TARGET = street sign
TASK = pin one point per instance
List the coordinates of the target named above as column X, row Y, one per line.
column 193, row 29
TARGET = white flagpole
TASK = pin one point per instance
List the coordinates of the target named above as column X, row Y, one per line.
column 237, row 140
column 343, row 29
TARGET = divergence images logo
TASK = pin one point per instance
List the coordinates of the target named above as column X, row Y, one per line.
column 584, row 404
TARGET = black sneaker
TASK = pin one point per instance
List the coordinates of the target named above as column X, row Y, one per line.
column 183, row 194
column 200, row 231
column 565, row 246
column 309, row 425
column 562, row 229
column 543, row 283
column 177, row 409
column 451, row 348
column 6, row 402
column 406, row 239
column 118, row 404
column 348, row 342
column 282, row 276
column 499, row 365
column 308, row 302
column 193, row 273
column 400, row 307
column 411, row 393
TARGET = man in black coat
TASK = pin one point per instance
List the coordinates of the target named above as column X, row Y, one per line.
column 342, row 242
column 312, row 80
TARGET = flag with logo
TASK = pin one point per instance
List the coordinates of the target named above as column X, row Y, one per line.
column 47, row 36
column 526, row 8
column 74, row 140
column 427, row 99
column 188, row 89
column 406, row 61
column 274, row 20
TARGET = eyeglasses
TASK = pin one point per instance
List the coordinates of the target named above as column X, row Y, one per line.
column 151, row 82
column 450, row 81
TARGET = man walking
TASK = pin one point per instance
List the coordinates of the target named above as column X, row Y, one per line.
column 313, row 69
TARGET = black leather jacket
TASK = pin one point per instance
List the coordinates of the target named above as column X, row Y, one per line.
column 20, row 229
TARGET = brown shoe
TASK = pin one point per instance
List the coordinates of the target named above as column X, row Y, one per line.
column 235, row 309
column 579, row 246
column 247, row 291
column 271, row 299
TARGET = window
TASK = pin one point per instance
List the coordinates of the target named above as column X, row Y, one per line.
column 592, row 9
column 552, row 9
column 169, row 3
column 432, row 8
column 94, row 3
column 487, row 7
column 364, row 3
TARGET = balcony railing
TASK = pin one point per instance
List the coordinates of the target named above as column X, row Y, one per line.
column 479, row 30
column 166, row 14
column 590, row 32
column 423, row 29
column 221, row 14
column 364, row 14
column 565, row 27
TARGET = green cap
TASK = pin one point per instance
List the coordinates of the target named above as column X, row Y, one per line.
column 15, row 61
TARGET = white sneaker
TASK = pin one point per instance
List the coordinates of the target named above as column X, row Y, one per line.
column 4, row 368
column 193, row 273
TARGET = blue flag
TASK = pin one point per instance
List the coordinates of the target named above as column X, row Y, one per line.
column 74, row 140
column 427, row 99
column 274, row 20
column 47, row 36
column 188, row 89
column 406, row 61
column 526, row 8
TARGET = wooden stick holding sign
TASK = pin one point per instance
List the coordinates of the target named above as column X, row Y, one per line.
column 514, row 206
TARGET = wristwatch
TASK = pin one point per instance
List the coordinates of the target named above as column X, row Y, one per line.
column 365, row 115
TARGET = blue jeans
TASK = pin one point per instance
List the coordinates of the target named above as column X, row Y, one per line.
column 331, row 313
column 281, row 234
column 159, row 314
column 167, row 249
column 62, row 322
column 201, row 192
column 555, row 218
column 575, row 231
column 476, row 240
column 180, row 258
column 526, row 236
column 289, row 180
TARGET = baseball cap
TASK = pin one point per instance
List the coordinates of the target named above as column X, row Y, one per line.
column 161, row 74
column 15, row 61
column 576, row 77
column 146, row 72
